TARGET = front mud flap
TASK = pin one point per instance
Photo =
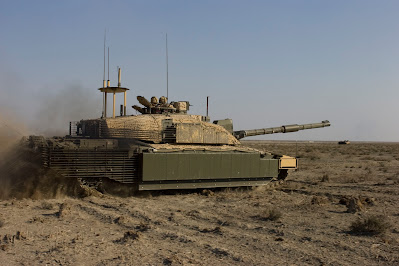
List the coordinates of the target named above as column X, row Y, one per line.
column 287, row 162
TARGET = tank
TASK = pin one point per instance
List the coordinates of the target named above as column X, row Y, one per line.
column 163, row 147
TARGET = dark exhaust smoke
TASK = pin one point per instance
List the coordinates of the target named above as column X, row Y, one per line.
column 57, row 109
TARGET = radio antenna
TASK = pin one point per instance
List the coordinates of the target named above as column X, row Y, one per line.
column 167, row 71
column 108, row 84
column 105, row 39
column 104, row 84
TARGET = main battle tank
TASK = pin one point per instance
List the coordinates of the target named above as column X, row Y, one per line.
column 163, row 147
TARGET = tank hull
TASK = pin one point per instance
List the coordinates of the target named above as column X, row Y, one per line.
column 146, row 166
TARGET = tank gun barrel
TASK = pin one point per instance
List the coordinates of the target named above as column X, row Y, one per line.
column 283, row 129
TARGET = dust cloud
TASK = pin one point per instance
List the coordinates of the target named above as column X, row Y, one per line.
column 21, row 173
column 22, row 176
column 58, row 108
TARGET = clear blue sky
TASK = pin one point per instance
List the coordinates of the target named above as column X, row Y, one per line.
column 263, row 63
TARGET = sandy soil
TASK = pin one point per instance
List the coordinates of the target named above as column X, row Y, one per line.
column 225, row 226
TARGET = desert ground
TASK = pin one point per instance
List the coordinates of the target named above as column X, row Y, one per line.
column 309, row 219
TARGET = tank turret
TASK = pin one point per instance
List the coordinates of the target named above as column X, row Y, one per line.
column 169, row 123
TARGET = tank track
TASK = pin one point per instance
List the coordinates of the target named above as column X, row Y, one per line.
column 282, row 175
column 98, row 183
column 92, row 183
column 277, row 181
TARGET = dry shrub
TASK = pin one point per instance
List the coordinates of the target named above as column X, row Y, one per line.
column 8, row 238
column 367, row 158
column 354, row 205
column 1, row 223
column 289, row 185
column 217, row 230
column 309, row 149
column 20, row 235
column 172, row 260
column 372, row 225
column 325, row 178
column 368, row 201
column 314, row 157
column 131, row 235
column 270, row 215
column 142, row 227
column 274, row 215
column 385, row 170
column 344, row 200
column 318, row 200
column 121, row 220
column 220, row 252
column 207, row 192
column 348, row 179
column 368, row 169
column 38, row 219
column 128, row 236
